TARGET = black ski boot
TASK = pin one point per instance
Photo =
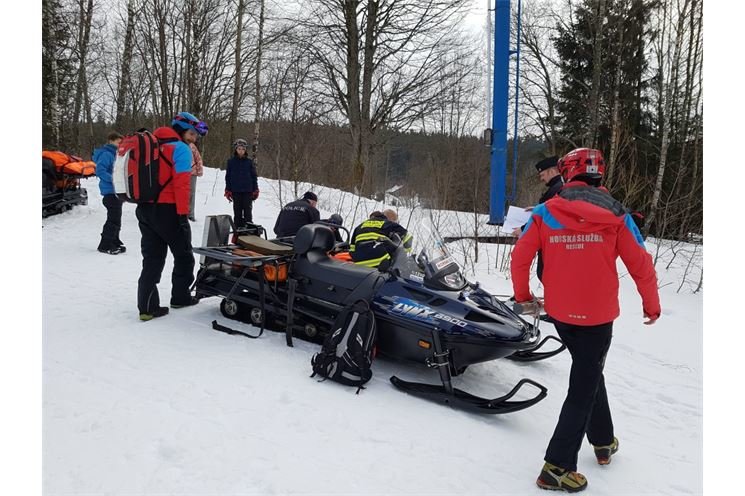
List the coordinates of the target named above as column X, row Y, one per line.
column 158, row 312
column 192, row 301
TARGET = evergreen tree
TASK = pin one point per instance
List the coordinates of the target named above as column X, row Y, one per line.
column 623, row 36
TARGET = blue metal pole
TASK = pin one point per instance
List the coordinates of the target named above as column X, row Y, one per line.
column 513, row 195
column 498, row 168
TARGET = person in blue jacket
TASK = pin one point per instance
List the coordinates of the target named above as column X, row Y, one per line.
column 104, row 158
column 241, row 183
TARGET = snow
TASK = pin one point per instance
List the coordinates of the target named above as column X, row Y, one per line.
column 172, row 407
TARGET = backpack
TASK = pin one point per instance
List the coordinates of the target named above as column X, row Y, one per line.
column 136, row 173
column 347, row 352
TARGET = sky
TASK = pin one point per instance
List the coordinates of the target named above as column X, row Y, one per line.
column 20, row 353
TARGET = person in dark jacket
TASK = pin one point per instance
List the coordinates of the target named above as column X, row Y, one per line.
column 333, row 221
column 371, row 244
column 581, row 233
column 104, row 158
column 241, row 184
column 165, row 225
column 296, row 214
column 548, row 173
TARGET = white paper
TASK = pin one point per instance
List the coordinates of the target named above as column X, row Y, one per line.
column 516, row 217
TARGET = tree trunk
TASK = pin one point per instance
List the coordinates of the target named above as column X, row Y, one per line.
column 165, row 97
column 691, row 66
column 238, row 70
column 668, row 106
column 698, row 138
column 257, row 116
column 126, row 69
column 88, row 114
column 615, row 124
column 597, row 67
column 84, row 31
column 188, row 56
column 50, row 77
column 359, row 162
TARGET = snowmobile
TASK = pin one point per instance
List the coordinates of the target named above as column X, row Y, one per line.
column 60, row 185
column 426, row 311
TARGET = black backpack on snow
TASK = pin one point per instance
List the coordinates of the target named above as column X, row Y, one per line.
column 347, row 352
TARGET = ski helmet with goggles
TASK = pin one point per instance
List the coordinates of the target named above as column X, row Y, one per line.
column 240, row 142
column 184, row 121
column 582, row 162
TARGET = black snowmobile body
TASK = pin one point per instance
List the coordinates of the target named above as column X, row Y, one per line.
column 424, row 314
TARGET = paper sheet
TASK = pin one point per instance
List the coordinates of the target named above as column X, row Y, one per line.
column 516, row 217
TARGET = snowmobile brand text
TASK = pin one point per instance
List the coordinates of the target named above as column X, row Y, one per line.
column 410, row 308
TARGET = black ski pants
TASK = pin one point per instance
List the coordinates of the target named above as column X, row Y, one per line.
column 162, row 228
column 242, row 209
column 112, row 226
column 585, row 409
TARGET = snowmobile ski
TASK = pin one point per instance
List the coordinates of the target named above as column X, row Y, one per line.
column 466, row 401
column 460, row 399
column 533, row 355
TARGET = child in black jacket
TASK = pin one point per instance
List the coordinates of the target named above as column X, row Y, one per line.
column 241, row 183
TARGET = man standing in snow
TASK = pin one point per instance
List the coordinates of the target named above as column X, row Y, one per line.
column 164, row 224
column 581, row 232
column 548, row 173
column 104, row 158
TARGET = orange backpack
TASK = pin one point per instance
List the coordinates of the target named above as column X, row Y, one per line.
column 70, row 164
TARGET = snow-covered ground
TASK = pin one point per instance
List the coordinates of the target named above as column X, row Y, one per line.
column 172, row 407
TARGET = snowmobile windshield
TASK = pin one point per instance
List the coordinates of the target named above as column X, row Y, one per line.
column 430, row 262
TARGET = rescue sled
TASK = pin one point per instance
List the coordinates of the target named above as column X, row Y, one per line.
column 60, row 187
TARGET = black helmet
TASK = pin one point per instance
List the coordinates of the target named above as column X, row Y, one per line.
column 336, row 219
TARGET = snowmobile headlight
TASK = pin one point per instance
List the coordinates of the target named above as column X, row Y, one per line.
column 424, row 344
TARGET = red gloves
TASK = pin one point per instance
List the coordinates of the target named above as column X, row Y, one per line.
column 255, row 194
column 229, row 195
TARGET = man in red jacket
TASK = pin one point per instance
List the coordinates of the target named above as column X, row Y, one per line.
column 164, row 224
column 581, row 232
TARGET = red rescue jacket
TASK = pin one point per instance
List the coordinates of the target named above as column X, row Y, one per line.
column 581, row 232
column 179, row 154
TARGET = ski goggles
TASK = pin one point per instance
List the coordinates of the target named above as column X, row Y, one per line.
column 201, row 128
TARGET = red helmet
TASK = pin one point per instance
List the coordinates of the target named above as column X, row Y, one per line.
column 582, row 162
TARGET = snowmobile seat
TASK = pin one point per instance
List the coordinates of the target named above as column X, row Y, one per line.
column 323, row 277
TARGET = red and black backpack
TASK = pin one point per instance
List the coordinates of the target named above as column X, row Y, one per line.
column 136, row 174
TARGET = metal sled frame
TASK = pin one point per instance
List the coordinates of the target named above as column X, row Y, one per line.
column 269, row 296
column 457, row 398
column 64, row 198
